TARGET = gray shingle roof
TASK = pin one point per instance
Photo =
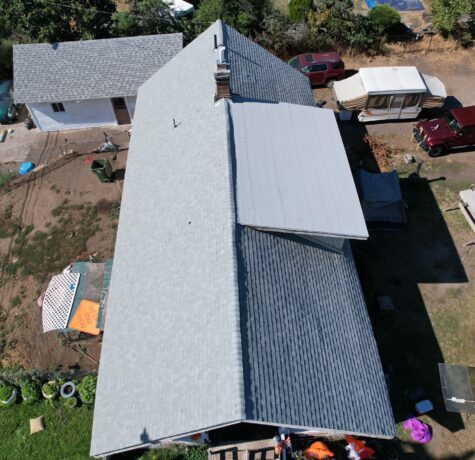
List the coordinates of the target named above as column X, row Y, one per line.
column 180, row 354
column 309, row 354
column 89, row 69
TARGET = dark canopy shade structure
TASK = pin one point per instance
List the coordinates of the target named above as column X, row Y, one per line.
column 458, row 387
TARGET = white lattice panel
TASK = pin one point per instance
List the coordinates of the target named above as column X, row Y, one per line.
column 58, row 301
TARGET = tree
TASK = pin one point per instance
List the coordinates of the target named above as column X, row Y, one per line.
column 154, row 17
column 6, row 59
column 384, row 16
column 247, row 16
column 299, row 9
column 446, row 14
column 124, row 24
column 62, row 21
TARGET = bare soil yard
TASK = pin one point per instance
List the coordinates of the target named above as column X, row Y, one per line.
column 64, row 216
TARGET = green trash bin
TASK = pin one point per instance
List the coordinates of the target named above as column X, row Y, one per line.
column 102, row 169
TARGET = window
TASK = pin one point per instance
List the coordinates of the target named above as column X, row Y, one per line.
column 57, row 106
column 307, row 57
column 412, row 100
column 378, row 101
column 452, row 122
column 339, row 65
column 317, row 68
column 294, row 62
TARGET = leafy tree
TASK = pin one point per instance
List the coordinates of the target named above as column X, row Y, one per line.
column 384, row 16
column 299, row 9
column 446, row 14
column 62, row 21
column 124, row 25
column 247, row 16
column 153, row 17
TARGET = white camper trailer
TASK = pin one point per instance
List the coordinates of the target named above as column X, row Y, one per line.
column 388, row 93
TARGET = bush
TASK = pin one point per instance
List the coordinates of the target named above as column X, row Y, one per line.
column 6, row 59
column 87, row 389
column 299, row 9
column 70, row 403
column 446, row 14
column 50, row 389
column 6, row 391
column 30, row 392
column 384, row 16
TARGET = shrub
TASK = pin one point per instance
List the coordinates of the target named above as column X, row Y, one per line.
column 70, row 402
column 30, row 392
column 6, row 391
column 384, row 16
column 299, row 9
column 50, row 389
column 87, row 389
column 446, row 14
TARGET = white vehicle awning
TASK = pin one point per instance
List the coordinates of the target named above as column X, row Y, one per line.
column 351, row 93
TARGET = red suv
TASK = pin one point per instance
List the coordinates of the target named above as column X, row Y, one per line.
column 456, row 128
column 320, row 68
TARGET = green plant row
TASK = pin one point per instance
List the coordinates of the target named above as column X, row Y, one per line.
column 31, row 391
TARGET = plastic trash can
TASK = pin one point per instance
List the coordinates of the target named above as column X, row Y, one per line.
column 25, row 168
column 102, row 169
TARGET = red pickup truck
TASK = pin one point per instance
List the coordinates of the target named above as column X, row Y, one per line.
column 456, row 128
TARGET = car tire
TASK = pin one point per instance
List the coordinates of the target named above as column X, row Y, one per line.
column 330, row 83
column 437, row 151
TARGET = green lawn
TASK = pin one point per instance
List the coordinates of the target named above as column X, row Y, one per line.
column 67, row 433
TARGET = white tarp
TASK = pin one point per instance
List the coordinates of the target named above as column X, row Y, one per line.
column 292, row 171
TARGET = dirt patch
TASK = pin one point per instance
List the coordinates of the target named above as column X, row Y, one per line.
column 44, row 225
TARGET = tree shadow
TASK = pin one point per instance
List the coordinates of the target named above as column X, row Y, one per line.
column 394, row 264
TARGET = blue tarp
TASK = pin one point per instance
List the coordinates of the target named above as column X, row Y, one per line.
column 399, row 5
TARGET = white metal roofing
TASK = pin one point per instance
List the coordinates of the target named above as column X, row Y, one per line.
column 380, row 80
column 292, row 171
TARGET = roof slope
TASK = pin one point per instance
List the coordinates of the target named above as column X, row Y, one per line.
column 310, row 358
column 292, row 173
column 89, row 69
column 171, row 356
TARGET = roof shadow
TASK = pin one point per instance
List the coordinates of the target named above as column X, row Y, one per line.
column 394, row 264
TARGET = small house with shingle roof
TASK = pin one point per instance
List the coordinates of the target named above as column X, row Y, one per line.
column 87, row 83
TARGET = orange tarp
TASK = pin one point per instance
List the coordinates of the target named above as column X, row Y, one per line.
column 85, row 318
column 319, row 451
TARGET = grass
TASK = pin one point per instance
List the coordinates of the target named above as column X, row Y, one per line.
column 66, row 436
column 42, row 253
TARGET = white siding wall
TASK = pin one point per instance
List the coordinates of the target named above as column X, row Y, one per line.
column 130, row 100
column 77, row 114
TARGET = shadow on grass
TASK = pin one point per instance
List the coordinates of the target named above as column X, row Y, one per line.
column 394, row 264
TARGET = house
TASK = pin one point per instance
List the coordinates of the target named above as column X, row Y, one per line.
column 234, row 299
column 87, row 83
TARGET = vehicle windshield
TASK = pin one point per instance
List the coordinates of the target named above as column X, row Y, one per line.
column 294, row 62
column 452, row 122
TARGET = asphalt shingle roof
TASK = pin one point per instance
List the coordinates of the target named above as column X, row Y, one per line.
column 89, row 69
column 198, row 304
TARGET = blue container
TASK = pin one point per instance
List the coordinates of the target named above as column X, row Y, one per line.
column 25, row 168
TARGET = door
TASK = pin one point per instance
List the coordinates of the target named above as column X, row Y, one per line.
column 120, row 110
column 396, row 102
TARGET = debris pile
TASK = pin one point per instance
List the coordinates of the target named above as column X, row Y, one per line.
column 383, row 153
